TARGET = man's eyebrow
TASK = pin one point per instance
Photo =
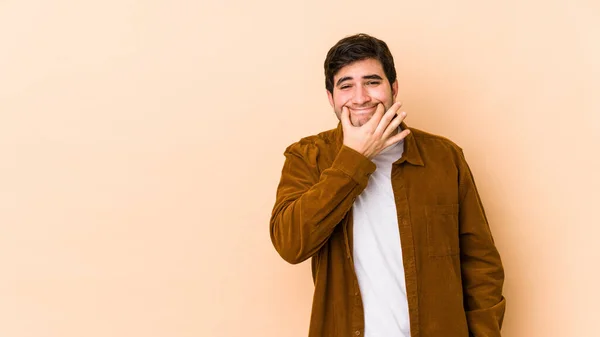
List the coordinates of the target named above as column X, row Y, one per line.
column 345, row 78
column 372, row 77
column 366, row 77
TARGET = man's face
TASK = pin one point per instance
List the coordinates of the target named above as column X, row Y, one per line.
column 360, row 86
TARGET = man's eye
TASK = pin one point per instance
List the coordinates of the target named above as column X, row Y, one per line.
column 373, row 83
column 344, row 87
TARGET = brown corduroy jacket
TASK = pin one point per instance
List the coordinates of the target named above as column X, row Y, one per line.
column 453, row 272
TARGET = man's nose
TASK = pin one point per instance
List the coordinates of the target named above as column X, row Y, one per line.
column 361, row 96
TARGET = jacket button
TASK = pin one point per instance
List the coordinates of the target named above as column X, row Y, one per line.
column 357, row 333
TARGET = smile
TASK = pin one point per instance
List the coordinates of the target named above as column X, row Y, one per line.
column 363, row 111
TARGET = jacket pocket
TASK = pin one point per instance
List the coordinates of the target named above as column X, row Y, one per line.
column 442, row 229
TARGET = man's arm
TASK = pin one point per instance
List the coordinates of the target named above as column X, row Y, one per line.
column 308, row 206
column 481, row 267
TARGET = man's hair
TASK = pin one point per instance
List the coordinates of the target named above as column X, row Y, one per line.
column 357, row 48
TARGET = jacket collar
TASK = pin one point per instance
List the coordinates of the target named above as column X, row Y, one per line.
column 411, row 152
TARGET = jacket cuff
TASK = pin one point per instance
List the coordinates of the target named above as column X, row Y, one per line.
column 487, row 322
column 354, row 164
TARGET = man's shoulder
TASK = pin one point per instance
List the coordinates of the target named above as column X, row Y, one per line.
column 319, row 141
column 426, row 140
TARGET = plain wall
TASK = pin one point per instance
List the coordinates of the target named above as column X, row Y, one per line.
column 142, row 143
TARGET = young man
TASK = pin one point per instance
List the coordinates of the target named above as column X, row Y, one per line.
column 390, row 215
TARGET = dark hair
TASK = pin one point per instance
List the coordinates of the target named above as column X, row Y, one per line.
column 356, row 48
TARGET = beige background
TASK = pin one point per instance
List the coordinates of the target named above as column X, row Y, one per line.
column 142, row 143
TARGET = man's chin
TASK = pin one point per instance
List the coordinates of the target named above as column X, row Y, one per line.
column 361, row 120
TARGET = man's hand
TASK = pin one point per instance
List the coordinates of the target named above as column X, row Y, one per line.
column 377, row 134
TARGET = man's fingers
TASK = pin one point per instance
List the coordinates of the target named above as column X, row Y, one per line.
column 387, row 118
column 394, row 124
column 396, row 138
column 374, row 121
column 345, row 118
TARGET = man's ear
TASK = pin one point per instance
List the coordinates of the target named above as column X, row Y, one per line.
column 330, row 96
column 395, row 89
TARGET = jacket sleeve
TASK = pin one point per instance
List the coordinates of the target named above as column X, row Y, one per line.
column 310, row 204
column 481, row 267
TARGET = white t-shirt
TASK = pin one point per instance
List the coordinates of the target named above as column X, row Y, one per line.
column 377, row 252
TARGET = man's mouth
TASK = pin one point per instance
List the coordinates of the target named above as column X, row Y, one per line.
column 363, row 111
